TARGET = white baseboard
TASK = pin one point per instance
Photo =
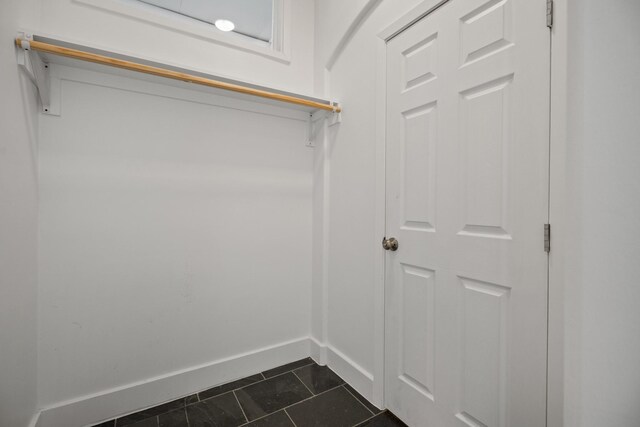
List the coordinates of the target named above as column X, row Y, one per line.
column 89, row 410
column 351, row 372
column 318, row 351
column 93, row 409
column 355, row 375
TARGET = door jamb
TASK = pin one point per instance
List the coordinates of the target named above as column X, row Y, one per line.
column 557, row 207
column 380, row 224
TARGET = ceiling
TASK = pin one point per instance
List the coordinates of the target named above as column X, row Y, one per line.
column 253, row 18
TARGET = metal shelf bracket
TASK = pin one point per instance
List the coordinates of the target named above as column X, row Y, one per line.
column 37, row 71
column 331, row 118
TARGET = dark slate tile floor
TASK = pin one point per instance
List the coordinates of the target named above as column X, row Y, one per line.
column 271, row 395
column 299, row 394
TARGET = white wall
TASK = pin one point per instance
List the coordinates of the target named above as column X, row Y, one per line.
column 602, row 242
column 117, row 236
column 128, row 35
column 318, row 252
column 18, row 226
column 174, row 232
column 353, row 245
column 175, row 227
column 598, row 244
column 333, row 19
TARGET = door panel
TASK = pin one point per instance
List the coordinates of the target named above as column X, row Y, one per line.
column 484, row 355
column 418, row 154
column 467, row 189
column 485, row 129
column 417, row 329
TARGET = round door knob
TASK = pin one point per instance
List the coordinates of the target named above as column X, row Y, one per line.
column 390, row 244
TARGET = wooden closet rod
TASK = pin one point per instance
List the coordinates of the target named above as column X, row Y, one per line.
column 175, row 75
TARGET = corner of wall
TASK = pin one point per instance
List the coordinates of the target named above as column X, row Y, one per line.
column 18, row 225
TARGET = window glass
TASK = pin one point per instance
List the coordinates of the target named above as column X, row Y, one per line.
column 250, row 18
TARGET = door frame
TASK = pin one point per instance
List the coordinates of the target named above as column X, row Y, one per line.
column 557, row 143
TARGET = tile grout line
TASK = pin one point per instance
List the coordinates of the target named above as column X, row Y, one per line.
column 356, row 397
column 305, row 386
column 294, row 404
column 186, row 415
column 286, row 372
column 225, row 392
column 240, row 405
column 265, row 379
column 309, row 398
column 368, row 419
column 184, row 406
column 197, row 394
column 249, row 385
column 291, row 419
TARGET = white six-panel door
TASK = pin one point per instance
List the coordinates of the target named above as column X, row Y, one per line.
column 467, row 194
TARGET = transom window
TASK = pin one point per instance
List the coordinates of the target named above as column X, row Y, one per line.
column 248, row 18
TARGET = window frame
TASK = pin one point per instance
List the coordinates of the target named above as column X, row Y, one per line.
column 279, row 49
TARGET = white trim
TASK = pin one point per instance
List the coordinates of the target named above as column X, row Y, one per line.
column 557, row 209
column 353, row 374
column 35, row 420
column 326, row 204
column 326, row 224
column 279, row 49
column 130, row 398
column 362, row 16
column 280, row 40
column 320, row 243
column 124, row 400
column 410, row 18
column 380, row 222
column 317, row 351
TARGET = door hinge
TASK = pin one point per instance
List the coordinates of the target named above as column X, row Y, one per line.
column 547, row 237
column 550, row 13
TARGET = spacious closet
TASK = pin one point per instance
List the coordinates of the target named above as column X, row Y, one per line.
column 301, row 213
